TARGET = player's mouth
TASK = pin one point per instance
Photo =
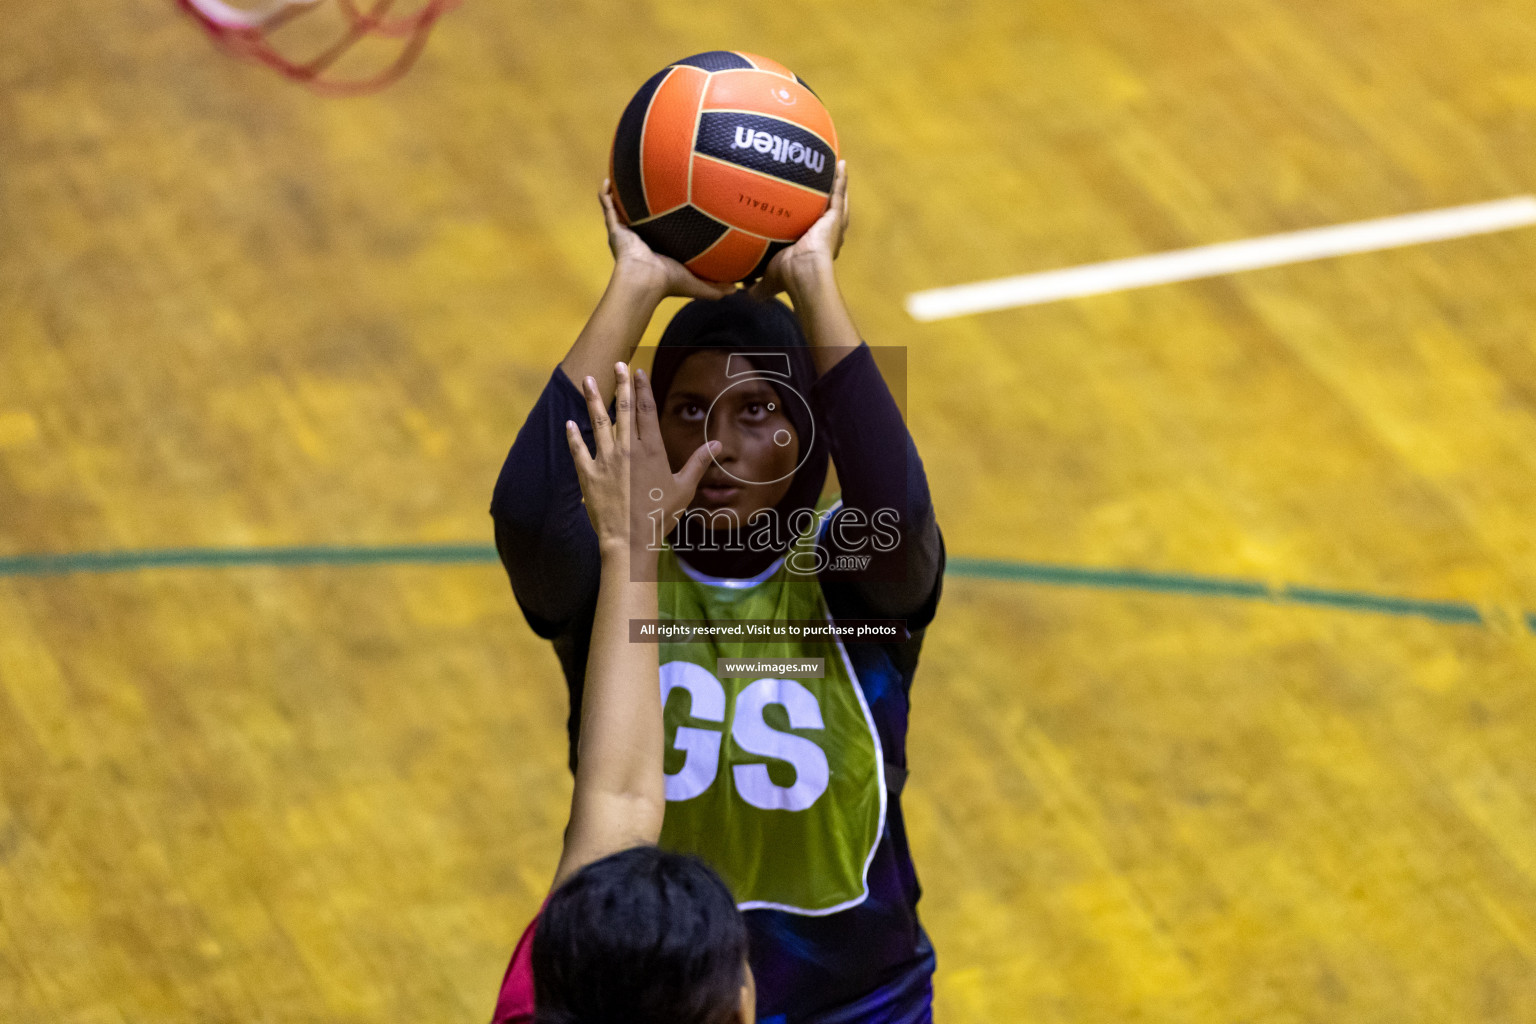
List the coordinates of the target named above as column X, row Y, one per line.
column 718, row 495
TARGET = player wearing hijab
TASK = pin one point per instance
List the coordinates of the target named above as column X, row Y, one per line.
column 789, row 787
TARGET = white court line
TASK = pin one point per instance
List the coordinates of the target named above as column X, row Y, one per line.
column 1223, row 258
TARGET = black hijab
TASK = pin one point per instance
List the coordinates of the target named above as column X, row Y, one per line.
column 766, row 333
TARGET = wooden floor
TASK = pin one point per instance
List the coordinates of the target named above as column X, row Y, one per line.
column 233, row 315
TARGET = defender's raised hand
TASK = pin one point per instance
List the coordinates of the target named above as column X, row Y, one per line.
column 663, row 493
column 619, row 799
column 628, row 486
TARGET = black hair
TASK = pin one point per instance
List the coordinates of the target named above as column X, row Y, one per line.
column 643, row 936
column 769, row 330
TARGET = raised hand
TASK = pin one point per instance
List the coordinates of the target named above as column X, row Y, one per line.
column 810, row 258
column 630, row 252
column 632, row 496
column 665, row 494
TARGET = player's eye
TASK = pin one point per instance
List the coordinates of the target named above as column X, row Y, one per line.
column 688, row 410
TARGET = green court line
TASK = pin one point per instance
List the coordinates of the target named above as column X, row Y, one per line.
column 224, row 558
column 1105, row 579
column 1134, row 580
column 1441, row 611
column 1214, row 586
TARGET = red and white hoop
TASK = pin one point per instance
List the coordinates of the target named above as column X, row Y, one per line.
column 246, row 31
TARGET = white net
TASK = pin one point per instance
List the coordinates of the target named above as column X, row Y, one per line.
column 330, row 31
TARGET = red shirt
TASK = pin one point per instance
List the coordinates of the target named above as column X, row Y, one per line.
column 515, row 1003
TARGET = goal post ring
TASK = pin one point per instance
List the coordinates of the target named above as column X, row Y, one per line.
column 246, row 33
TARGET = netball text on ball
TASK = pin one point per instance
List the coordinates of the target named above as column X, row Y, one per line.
column 780, row 149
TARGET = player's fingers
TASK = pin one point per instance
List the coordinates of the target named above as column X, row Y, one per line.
column 579, row 454
column 610, row 210
column 688, row 477
column 647, row 427
column 624, row 406
column 602, row 427
column 847, row 206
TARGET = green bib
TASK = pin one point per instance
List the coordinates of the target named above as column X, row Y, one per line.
column 778, row 783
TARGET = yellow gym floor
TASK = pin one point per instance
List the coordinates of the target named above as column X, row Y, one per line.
column 1227, row 715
